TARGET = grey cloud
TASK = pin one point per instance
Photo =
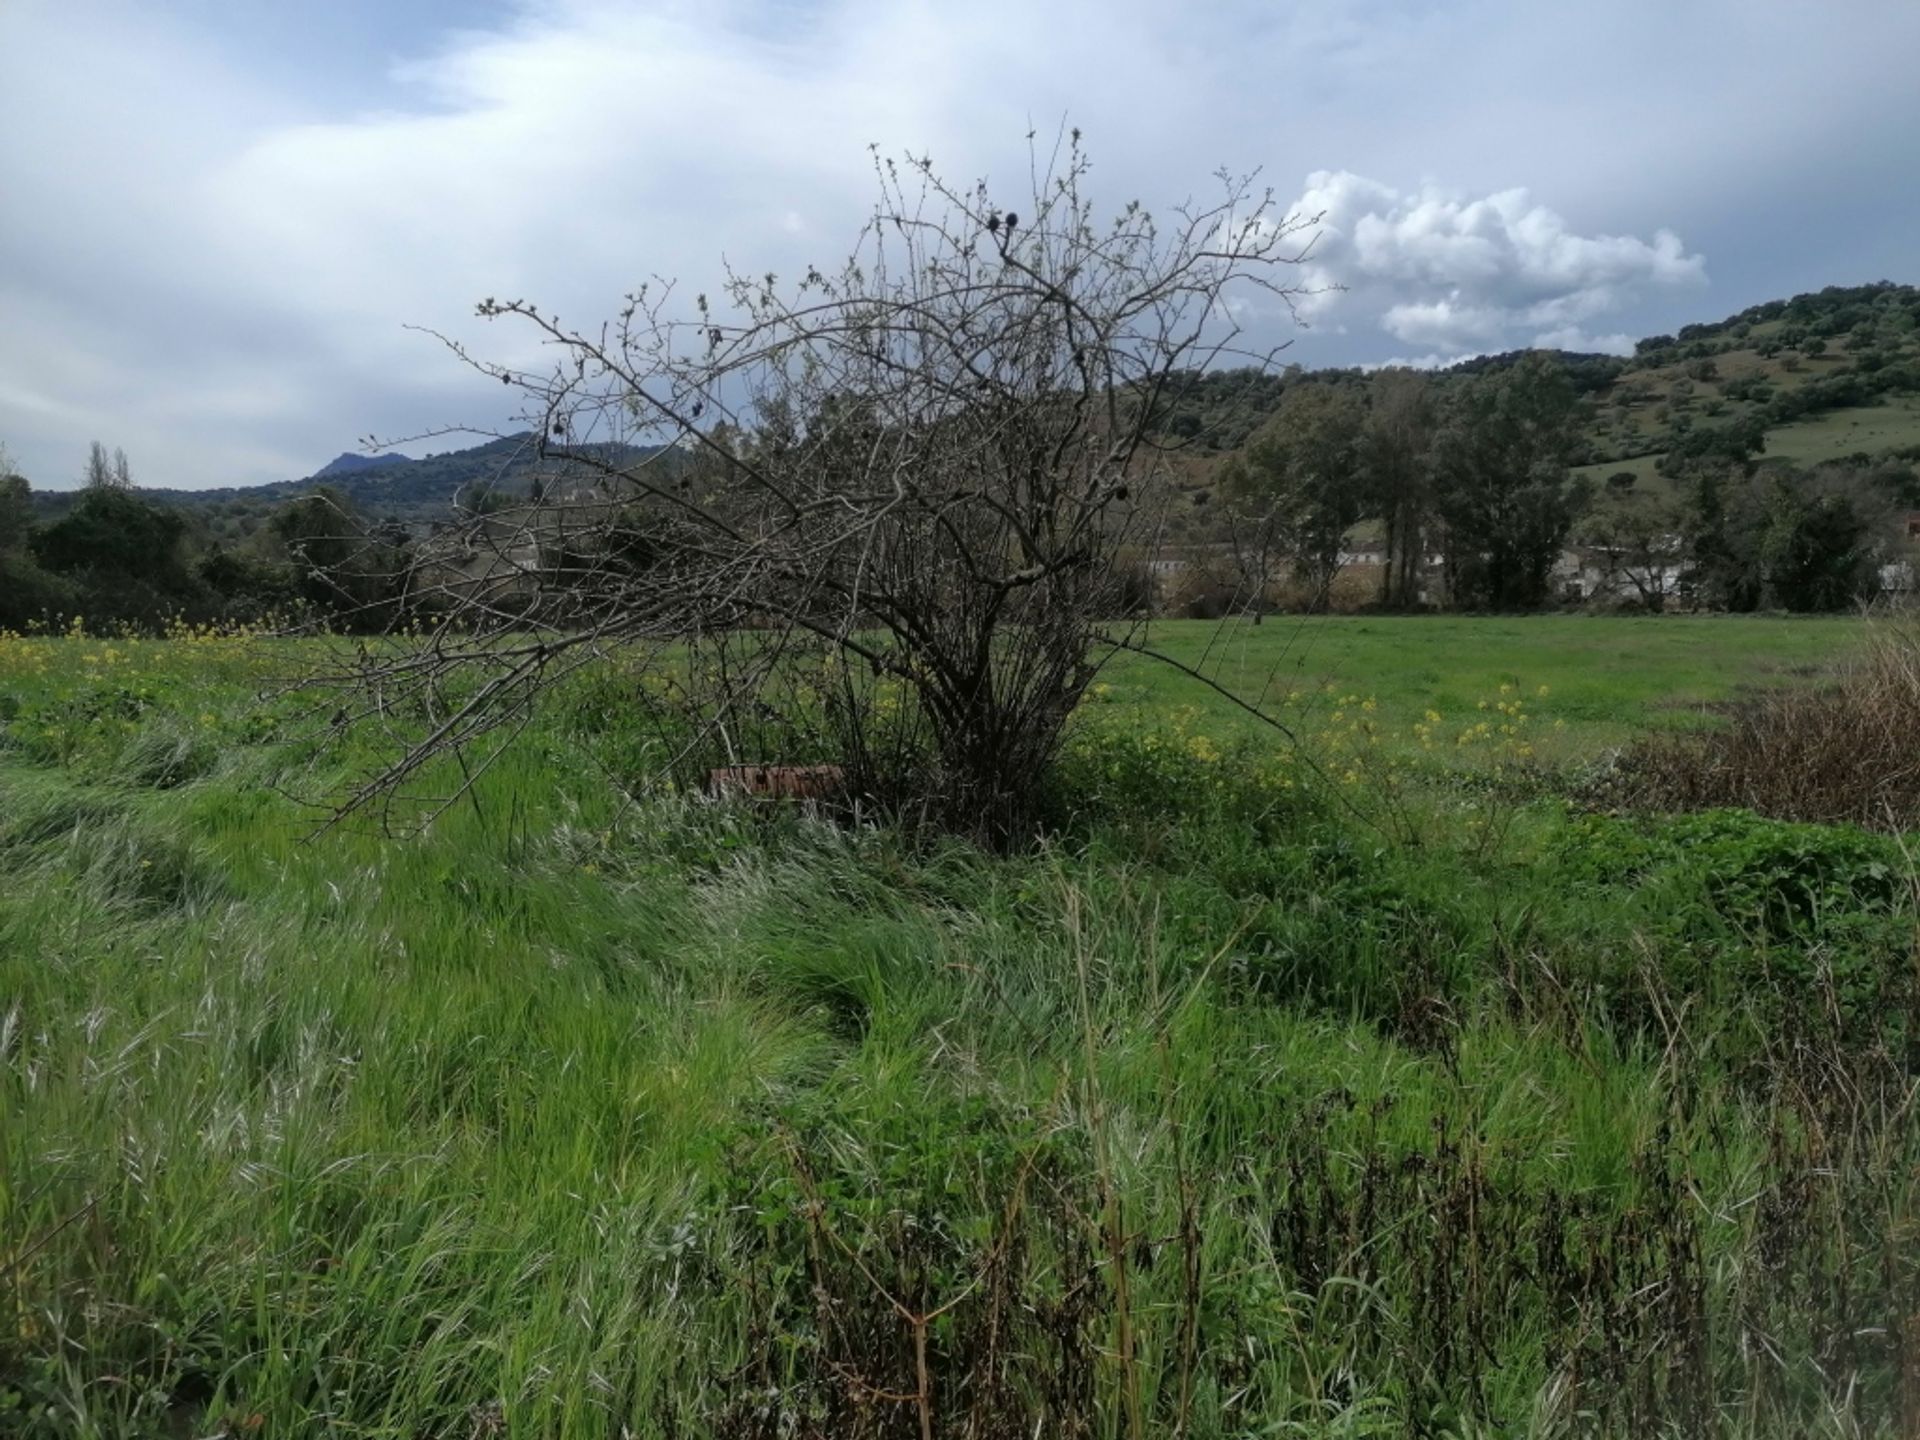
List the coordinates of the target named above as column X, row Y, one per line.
column 211, row 261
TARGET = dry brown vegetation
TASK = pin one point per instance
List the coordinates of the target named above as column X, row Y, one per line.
column 1848, row 750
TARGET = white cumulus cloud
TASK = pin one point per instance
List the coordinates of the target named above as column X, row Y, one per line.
column 1461, row 275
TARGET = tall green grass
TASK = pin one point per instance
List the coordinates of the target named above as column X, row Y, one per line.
column 590, row 1114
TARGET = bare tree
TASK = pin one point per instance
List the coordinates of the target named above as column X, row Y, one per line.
column 99, row 475
column 873, row 517
column 1253, row 522
column 1637, row 538
column 1299, row 481
column 107, row 472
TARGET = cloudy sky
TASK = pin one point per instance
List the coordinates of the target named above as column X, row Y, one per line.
column 218, row 217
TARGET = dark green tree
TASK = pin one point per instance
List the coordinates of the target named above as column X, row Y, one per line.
column 1503, row 482
column 1733, row 447
column 125, row 555
column 16, row 510
column 1724, row 520
column 1396, row 443
column 27, row 592
column 110, row 531
column 1814, row 550
column 249, row 584
column 1723, row 512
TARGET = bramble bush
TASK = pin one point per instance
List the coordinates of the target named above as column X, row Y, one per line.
column 1777, row 916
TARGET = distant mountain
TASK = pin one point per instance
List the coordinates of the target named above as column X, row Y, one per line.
column 415, row 491
column 347, row 463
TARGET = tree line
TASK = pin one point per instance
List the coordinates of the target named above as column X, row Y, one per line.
column 117, row 558
column 1468, row 480
column 1471, row 483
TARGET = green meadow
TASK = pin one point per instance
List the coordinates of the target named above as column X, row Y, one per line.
column 1377, row 1086
column 1606, row 678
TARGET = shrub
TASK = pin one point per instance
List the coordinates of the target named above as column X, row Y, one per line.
column 1115, row 770
column 29, row 593
column 1208, row 590
column 1845, row 752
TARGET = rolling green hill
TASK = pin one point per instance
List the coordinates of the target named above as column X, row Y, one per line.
column 1811, row 370
column 1829, row 375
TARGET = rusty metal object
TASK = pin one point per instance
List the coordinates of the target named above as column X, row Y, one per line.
column 777, row 782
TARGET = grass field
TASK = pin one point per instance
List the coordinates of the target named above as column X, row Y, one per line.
column 1605, row 678
column 1229, row 1110
column 1856, row 429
